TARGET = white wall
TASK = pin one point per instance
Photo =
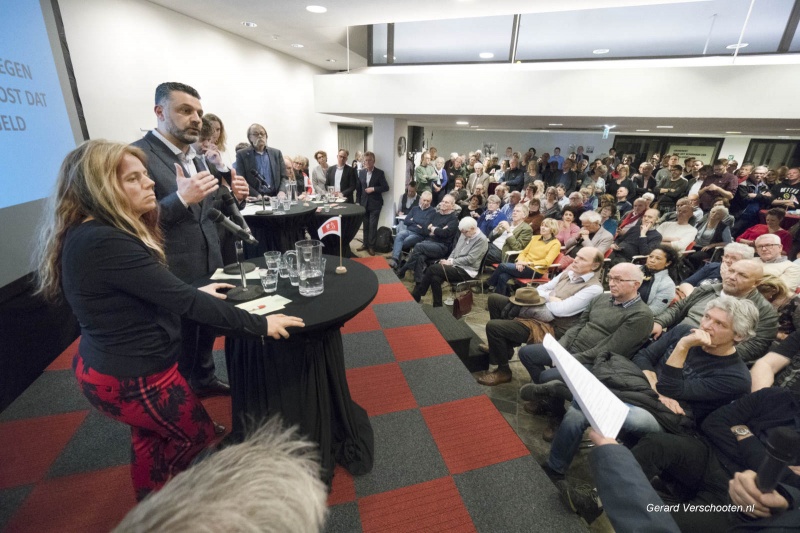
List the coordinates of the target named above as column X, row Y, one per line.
column 122, row 49
column 736, row 146
column 463, row 141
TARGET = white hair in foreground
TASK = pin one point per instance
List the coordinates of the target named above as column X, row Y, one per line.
column 268, row 483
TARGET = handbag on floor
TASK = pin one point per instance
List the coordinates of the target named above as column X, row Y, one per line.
column 462, row 300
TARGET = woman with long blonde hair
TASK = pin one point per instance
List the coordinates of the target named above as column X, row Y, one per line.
column 101, row 249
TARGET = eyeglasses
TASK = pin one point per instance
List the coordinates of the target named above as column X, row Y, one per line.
column 612, row 279
column 762, row 246
column 258, row 134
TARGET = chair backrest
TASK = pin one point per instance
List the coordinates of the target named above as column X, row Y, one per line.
column 690, row 247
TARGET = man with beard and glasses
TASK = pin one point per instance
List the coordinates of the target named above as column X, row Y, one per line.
column 263, row 167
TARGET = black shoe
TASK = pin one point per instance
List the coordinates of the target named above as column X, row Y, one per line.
column 553, row 389
column 554, row 476
column 216, row 388
column 582, row 499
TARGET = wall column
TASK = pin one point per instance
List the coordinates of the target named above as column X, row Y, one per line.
column 385, row 133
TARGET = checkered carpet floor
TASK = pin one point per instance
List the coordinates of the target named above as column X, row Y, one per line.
column 445, row 458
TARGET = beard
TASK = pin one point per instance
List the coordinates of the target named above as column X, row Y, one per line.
column 189, row 135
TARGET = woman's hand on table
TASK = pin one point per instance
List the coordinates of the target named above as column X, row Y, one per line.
column 212, row 289
column 277, row 324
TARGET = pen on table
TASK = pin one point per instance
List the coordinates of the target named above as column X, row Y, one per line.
column 256, row 308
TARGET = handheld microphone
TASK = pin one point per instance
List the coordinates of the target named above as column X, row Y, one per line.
column 219, row 218
column 233, row 210
column 782, row 449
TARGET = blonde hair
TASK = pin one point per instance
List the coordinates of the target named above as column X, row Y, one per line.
column 88, row 186
column 552, row 224
column 211, row 117
column 773, row 283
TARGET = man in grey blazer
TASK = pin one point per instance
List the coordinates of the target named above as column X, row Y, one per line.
column 371, row 186
column 262, row 166
column 186, row 191
column 592, row 234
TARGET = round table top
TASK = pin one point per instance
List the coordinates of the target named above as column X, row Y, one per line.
column 300, row 208
column 340, row 209
column 345, row 295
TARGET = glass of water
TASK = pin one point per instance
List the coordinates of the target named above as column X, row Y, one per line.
column 283, row 268
column 272, row 259
column 287, row 204
column 269, row 279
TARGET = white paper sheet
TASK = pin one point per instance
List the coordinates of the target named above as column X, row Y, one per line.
column 604, row 411
column 251, row 209
column 219, row 274
column 263, row 306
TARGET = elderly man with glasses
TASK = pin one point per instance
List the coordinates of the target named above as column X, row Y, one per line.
column 769, row 247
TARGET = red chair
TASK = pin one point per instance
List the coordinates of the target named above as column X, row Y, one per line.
column 552, row 271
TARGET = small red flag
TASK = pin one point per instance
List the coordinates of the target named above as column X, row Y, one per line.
column 332, row 226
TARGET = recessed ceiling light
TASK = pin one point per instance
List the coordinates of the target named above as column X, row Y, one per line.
column 601, row 51
column 735, row 46
column 733, row 132
column 792, row 129
column 474, row 126
column 331, row 60
column 462, row 123
column 247, row 24
column 642, row 130
column 481, row 129
column 544, row 131
column 665, row 127
column 316, row 9
column 394, row 58
column 555, row 124
column 297, row 45
column 486, row 55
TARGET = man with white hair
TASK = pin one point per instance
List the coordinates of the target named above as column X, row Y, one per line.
column 639, row 240
column 463, row 263
column 479, row 177
column 768, row 247
column 592, row 234
column 510, row 236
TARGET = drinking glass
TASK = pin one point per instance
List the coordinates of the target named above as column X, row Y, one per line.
column 269, row 279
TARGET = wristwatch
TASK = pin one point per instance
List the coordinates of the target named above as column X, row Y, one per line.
column 741, row 430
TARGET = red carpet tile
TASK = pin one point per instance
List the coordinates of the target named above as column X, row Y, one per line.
column 28, row 447
column 392, row 292
column 375, row 263
column 90, row 502
column 363, row 321
column 416, row 342
column 343, row 489
column 219, row 408
column 219, row 343
column 380, row 389
column 432, row 506
column 64, row 360
column 471, row 434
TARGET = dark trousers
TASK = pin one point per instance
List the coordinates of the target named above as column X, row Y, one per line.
column 169, row 425
column 693, row 473
column 506, row 271
column 196, row 362
column 433, row 278
column 371, row 227
column 422, row 252
column 494, row 254
column 503, row 335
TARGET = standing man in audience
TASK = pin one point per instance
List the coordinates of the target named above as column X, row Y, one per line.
column 750, row 198
column 568, row 178
column 514, row 178
column 664, row 172
column 371, row 186
column 262, row 166
column 185, row 190
column 769, row 247
column 671, row 189
column 557, row 157
column 721, row 184
column 342, row 177
column 479, row 177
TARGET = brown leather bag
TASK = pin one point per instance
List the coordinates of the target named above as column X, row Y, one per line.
column 462, row 303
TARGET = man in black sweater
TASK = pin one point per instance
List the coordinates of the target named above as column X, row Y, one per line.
column 441, row 231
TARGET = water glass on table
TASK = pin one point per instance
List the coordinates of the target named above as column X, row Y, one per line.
column 272, row 259
column 269, row 279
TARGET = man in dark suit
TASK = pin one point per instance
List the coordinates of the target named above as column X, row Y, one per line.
column 186, row 190
column 262, row 166
column 342, row 177
column 371, row 186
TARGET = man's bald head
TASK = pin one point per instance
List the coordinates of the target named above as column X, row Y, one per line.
column 742, row 277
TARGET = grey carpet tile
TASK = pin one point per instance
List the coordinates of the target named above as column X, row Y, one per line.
column 386, row 276
column 366, row 348
column 54, row 392
column 405, row 454
column 99, row 442
column 10, row 502
column 520, row 482
column 343, row 518
column 399, row 314
column 439, row 380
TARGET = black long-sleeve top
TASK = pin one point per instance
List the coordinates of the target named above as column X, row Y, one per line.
column 129, row 305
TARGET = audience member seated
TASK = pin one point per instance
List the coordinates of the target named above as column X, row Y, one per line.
column 561, row 194
column 780, row 367
column 739, row 282
column 591, row 234
column 617, row 324
column 785, row 303
column 479, row 177
column 640, row 239
column 658, row 289
column 680, row 233
column 409, row 199
column 711, row 273
column 691, row 372
column 535, row 217
column 514, row 198
column 773, row 226
column 620, row 179
column 509, row 236
column 786, row 194
column 712, row 232
column 473, row 208
column 671, row 189
column 490, row 218
column 532, row 312
column 550, row 207
column 415, row 227
column 440, row 232
column 532, row 262
column 568, row 178
column 576, row 204
column 463, row 263
column 632, row 216
column 751, row 198
column 567, row 228
column 589, row 198
column 608, row 218
column 768, row 248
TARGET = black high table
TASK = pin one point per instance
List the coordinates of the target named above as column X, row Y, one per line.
column 352, row 217
column 302, row 378
column 279, row 232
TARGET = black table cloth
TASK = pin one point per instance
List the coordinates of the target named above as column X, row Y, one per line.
column 352, row 217
column 279, row 232
column 302, row 378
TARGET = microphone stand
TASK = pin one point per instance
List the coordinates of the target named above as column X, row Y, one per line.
column 244, row 293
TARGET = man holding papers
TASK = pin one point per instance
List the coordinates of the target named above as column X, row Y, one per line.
column 618, row 324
